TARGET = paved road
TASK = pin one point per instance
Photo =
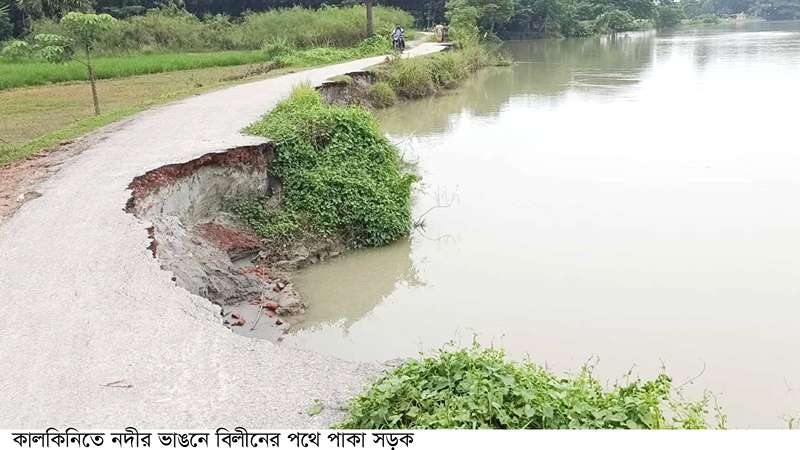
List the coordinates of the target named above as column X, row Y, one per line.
column 84, row 303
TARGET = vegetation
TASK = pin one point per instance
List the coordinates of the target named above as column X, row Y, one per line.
column 32, row 72
column 381, row 95
column 219, row 23
column 82, row 33
column 543, row 18
column 341, row 178
column 174, row 29
column 479, row 388
column 172, row 39
column 17, row 71
column 421, row 77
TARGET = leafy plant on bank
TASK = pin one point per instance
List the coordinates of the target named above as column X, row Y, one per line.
column 381, row 95
column 340, row 176
column 420, row 77
column 478, row 388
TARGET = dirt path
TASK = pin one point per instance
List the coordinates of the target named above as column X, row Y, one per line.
column 85, row 304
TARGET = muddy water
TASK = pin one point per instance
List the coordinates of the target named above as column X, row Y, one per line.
column 630, row 199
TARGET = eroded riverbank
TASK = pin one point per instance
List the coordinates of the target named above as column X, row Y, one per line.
column 233, row 226
column 110, row 312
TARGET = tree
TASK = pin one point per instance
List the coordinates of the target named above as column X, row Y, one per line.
column 669, row 15
column 463, row 22
column 486, row 13
column 777, row 9
column 6, row 26
column 370, row 29
column 52, row 9
column 84, row 30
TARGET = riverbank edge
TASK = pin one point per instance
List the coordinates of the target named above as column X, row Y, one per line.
column 228, row 263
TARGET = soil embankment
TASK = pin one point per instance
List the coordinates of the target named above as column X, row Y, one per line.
column 208, row 250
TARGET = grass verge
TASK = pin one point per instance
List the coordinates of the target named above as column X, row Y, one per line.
column 480, row 388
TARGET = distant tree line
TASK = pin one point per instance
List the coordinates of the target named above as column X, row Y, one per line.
column 504, row 17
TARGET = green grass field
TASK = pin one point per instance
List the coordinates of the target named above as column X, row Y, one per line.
column 35, row 72
column 44, row 113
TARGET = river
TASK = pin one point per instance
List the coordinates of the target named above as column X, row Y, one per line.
column 628, row 200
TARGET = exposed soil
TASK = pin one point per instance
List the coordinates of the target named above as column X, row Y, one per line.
column 349, row 89
column 208, row 250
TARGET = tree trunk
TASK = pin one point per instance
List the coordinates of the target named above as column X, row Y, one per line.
column 370, row 30
column 92, row 82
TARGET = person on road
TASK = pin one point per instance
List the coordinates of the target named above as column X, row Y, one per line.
column 399, row 38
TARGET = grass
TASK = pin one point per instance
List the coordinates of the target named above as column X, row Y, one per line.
column 39, row 117
column 340, row 177
column 80, row 127
column 170, row 39
column 480, row 388
column 325, row 27
column 413, row 78
column 33, row 72
column 170, row 29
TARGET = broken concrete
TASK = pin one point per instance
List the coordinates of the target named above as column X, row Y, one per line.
column 193, row 235
column 349, row 89
column 208, row 251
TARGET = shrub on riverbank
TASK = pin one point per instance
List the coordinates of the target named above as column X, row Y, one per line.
column 479, row 388
column 423, row 76
column 340, row 177
column 381, row 95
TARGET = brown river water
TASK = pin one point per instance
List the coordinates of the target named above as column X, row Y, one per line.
column 629, row 199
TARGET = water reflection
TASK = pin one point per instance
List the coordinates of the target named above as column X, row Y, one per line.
column 342, row 291
column 545, row 71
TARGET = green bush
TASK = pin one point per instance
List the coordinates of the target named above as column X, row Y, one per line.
column 17, row 49
column 276, row 48
column 421, row 77
column 615, row 21
column 705, row 19
column 174, row 29
column 325, row 27
column 448, row 69
column 340, row 176
column 669, row 15
column 411, row 78
column 381, row 95
column 478, row 388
